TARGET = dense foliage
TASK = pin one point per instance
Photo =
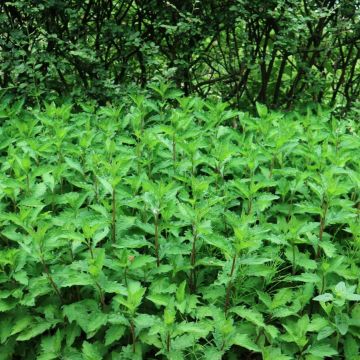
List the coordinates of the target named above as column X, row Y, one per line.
column 277, row 52
column 179, row 179
column 176, row 228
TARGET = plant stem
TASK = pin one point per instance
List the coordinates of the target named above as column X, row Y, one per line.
column 156, row 220
column 132, row 329
column 228, row 289
column 174, row 150
column 233, row 266
column 250, row 206
column 52, row 202
column 51, row 280
column 27, row 183
column 168, row 342
column 322, row 282
column 96, row 188
column 113, row 215
column 138, row 154
column 272, row 166
column 258, row 336
column 322, row 227
column 193, row 261
column 101, row 294
column 293, row 258
column 125, row 276
column 90, row 249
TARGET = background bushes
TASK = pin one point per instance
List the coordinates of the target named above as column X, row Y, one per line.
column 278, row 52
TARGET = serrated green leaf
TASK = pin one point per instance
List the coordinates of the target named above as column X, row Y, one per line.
column 324, row 297
column 114, row 333
column 251, row 315
column 351, row 348
column 322, row 350
column 91, row 351
column 244, row 341
column 307, row 278
column 35, row 330
column 75, row 165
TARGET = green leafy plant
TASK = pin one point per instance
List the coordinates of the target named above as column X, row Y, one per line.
column 175, row 228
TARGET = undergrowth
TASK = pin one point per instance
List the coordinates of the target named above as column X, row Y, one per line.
column 178, row 229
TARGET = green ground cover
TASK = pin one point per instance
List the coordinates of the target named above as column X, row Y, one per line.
column 175, row 228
